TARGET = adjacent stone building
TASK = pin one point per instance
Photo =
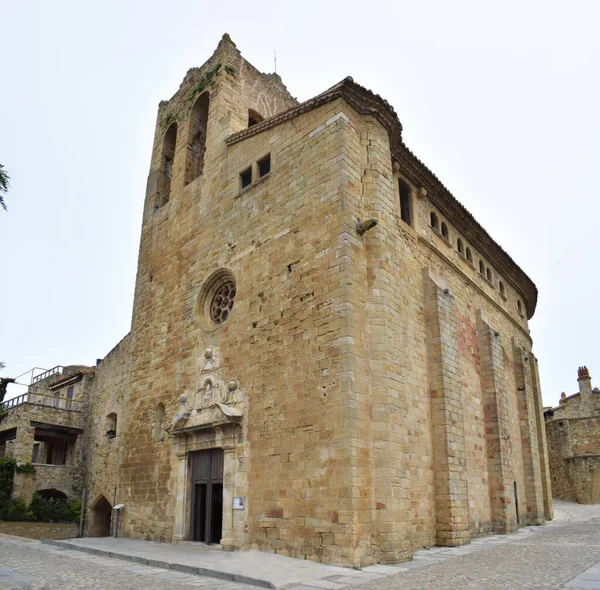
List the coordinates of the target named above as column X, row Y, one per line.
column 329, row 357
column 45, row 427
column 573, row 433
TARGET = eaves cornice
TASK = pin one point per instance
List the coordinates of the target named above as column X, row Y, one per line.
column 368, row 103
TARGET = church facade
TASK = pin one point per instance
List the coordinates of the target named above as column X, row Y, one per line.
column 329, row 357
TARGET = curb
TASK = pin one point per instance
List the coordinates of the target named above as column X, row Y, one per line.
column 178, row 567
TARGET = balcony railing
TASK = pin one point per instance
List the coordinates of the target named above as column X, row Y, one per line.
column 15, row 401
column 40, row 399
column 58, row 370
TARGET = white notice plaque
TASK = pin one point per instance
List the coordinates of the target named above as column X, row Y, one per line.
column 238, row 502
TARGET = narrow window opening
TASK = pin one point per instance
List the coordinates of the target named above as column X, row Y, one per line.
column 444, row 230
column 404, row 202
column 519, row 306
column 469, row 255
column 246, row 178
column 111, row 425
column 70, row 393
column 254, row 118
column 501, row 285
column 481, row 268
column 57, row 399
column 488, row 274
column 264, row 166
column 433, row 220
column 460, row 247
column 197, row 138
column 166, row 165
column 35, row 456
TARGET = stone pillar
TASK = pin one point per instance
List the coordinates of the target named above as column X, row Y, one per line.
column 180, row 477
column 449, row 456
column 529, row 440
column 227, row 537
column 499, row 451
column 541, row 434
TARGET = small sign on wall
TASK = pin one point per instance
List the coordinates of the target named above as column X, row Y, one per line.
column 238, row 503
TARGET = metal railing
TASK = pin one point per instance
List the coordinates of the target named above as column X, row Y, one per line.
column 40, row 399
column 15, row 401
column 58, row 370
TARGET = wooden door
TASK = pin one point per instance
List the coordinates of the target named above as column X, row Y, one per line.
column 207, row 495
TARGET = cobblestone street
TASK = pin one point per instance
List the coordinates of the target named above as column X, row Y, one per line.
column 563, row 554
column 30, row 565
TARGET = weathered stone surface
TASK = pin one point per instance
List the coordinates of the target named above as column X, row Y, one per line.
column 573, row 433
column 353, row 380
column 39, row 530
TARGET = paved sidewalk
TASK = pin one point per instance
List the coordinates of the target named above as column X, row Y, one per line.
column 257, row 568
column 571, row 512
column 551, row 556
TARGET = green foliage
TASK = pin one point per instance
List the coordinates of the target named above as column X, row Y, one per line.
column 207, row 81
column 75, row 510
column 54, row 510
column 4, row 184
column 169, row 120
column 17, row 511
column 41, row 509
column 230, row 70
column 7, row 472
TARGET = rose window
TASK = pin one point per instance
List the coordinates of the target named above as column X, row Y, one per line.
column 222, row 302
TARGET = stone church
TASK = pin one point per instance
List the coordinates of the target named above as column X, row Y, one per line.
column 329, row 357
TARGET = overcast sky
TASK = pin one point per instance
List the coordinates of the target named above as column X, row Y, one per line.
column 501, row 100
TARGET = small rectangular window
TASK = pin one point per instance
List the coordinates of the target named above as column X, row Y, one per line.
column 57, row 399
column 36, row 453
column 70, row 397
column 246, row 178
column 404, row 202
column 264, row 166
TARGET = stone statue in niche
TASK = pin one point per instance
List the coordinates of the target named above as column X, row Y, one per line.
column 207, row 395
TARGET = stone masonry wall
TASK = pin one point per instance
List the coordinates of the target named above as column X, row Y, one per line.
column 369, row 366
column 108, row 396
column 40, row 530
column 574, row 446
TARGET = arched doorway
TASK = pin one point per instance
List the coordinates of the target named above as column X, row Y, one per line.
column 100, row 514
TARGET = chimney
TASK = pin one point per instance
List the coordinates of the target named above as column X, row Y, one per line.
column 585, row 381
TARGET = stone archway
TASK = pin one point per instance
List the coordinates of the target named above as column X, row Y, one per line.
column 99, row 518
column 52, row 493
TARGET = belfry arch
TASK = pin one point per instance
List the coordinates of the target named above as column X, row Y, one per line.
column 196, row 144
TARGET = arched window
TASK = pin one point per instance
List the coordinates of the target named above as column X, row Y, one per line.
column 519, row 307
column 196, row 147
column 404, row 202
column 469, row 255
column 460, row 247
column 501, row 286
column 111, row 425
column 158, row 423
column 481, row 268
column 444, row 229
column 166, row 164
column 254, row 118
column 53, row 494
column 433, row 220
column 488, row 274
